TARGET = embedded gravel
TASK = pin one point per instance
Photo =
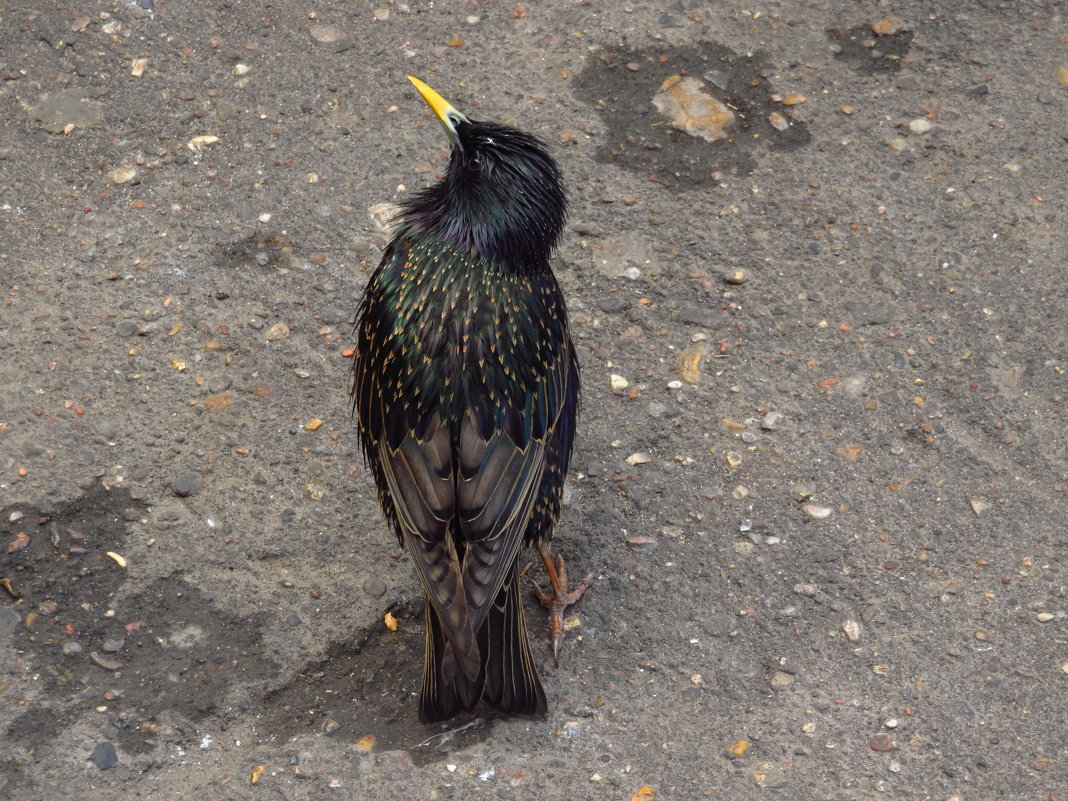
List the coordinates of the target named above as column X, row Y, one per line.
column 822, row 465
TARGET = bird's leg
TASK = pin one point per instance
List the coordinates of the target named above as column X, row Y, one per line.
column 561, row 598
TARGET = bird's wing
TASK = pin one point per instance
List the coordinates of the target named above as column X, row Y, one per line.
column 419, row 475
column 495, row 490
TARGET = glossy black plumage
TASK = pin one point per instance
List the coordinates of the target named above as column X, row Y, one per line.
column 466, row 392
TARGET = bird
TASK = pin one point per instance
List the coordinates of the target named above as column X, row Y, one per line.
column 465, row 394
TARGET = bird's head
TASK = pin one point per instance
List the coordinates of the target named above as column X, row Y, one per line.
column 502, row 196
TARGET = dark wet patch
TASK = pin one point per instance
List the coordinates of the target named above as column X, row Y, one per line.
column 370, row 686
column 638, row 138
column 869, row 53
column 168, row 649
column 256, row 250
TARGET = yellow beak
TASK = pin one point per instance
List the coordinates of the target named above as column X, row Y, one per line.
column 446, row 114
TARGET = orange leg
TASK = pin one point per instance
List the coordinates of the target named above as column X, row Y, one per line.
column 561, row 598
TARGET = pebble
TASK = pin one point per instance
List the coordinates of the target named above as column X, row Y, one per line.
column 718, row 625
column 881, row 743
column 277, row 331
column 374, row 586
column 852, row 630
column 219, row 383
column 816, row 511
column 122, row 175
column 67, row 109
column 808, row 590
column 128, row 328
column 186, row 484
column 70, row 648
column 104, row 756
column 920, row 126
column 103, row 662
column 780, row 680
column 772, row 421
column 326, row 34
column 737, row 749
column 618, row 382
column 696, row 315
column 113, row 646
column 613, row 304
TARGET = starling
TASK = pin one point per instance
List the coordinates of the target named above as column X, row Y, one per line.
column 466, row 393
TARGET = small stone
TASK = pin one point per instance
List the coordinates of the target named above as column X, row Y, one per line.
column 691, row 361
column 641, row 543
column 103, row 662
column 920, row 126
column 881, row 743
column 778, row 121
column 113, row 646
column 686, row 106
column 186, row 484
column 1046, row 97
column 67, row 109
column 70, row 648
column 887, row 27
column 852, row 630
column 383, row 215
column 277, row 331
column 816, row 511
column 618, row 382
column 718, row 625
column 736, row 277
column 808, row 590
column 104, row 756
column 772, row 421
column 326, row 34
column 217, row 402
column 1044, row 617
column 780, row 680
column 122, row 175
column 978, row 506
column 127, row 328
column 374, row 586
column 639, row 458
column 612, row 304
column 737, row 749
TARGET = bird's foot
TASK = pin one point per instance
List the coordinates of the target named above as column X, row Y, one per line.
column 561, row 597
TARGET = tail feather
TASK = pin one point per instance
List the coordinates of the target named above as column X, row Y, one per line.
column 512, row 683
column 507, row 679
column 441, row 698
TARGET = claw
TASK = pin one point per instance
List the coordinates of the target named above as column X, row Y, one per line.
column 560, row 599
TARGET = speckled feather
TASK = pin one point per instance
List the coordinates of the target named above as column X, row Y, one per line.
column 466, row 392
